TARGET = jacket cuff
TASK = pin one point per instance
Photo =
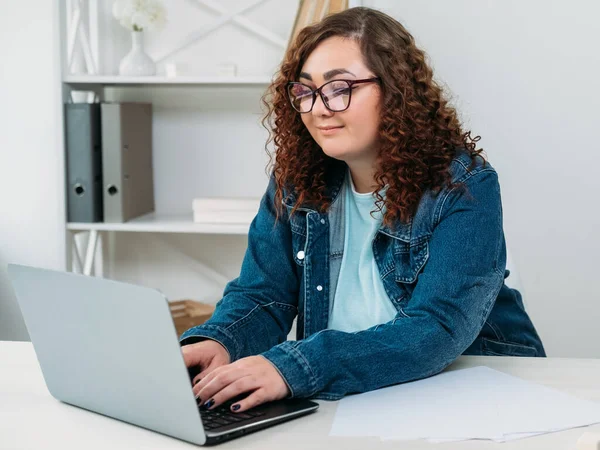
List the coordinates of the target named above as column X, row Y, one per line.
column 294, row 368
column 216, row 333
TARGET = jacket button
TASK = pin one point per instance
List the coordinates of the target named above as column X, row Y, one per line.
column 319, row 288
column 300, row 254
column 323, row 221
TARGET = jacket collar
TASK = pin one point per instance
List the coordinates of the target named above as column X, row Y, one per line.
column 334, row 183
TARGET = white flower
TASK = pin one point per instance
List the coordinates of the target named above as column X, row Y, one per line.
column 140, row 15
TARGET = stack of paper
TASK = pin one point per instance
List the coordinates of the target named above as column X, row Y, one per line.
column 225, row 210
column 477, row 403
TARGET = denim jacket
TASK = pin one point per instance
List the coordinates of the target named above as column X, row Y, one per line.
column 443, row 271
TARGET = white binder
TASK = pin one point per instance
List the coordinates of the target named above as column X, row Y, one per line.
column 127, row 160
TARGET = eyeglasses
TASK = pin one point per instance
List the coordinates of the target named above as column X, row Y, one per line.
column 335, row 94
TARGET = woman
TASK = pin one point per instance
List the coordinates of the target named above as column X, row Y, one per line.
column 381, row 230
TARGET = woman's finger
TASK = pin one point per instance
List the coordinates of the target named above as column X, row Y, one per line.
column 258, row 397
column 190, row 356
column 217, row 380
column 212, row 366
column 240, row 386
column 197, row 378
column 205, row 379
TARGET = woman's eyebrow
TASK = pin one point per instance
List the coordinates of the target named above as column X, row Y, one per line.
column 327, row 75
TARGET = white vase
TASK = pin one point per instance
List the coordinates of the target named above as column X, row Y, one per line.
column 137, row 62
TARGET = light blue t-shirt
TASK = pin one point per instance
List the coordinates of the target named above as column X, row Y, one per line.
column 360, row 300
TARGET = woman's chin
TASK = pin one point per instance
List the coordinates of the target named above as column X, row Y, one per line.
column 334, row 152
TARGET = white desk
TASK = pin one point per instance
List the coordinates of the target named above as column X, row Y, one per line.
column 32, row 419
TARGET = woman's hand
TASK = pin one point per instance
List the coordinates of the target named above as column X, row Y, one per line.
column 208, row 355
column 252, row 374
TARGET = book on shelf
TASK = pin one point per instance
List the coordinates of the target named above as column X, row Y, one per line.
column 225, row 210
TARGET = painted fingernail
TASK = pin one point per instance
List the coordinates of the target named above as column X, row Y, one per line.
column 235, row 407
column 209, row 403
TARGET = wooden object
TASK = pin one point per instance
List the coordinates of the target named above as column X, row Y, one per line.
column 189, row 313
column 313, row 11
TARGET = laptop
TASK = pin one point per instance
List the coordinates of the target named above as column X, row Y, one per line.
column 111, row 348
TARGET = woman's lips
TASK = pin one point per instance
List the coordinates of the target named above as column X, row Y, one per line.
column 330, row 130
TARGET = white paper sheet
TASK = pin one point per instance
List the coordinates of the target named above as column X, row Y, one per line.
column 476, row 403
column 505, row 438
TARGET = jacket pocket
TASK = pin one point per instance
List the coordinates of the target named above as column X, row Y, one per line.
column 492, row 347
column 409, row 259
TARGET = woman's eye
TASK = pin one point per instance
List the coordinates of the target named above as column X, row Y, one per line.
column 341, row 91
column 301, row 92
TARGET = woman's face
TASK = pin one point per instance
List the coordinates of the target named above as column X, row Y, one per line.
column 356, row 129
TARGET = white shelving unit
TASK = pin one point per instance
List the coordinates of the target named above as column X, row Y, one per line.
column 83, row 257
column 82, row 31
column 77, row 81
column 156, row 223
column 149, row 223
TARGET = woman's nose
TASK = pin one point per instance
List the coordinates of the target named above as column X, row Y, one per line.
column 319, row 108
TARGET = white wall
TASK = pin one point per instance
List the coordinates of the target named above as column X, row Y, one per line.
column 31, row 174
column 525, row 75
column 522, row 73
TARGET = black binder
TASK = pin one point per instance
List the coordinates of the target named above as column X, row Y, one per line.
column 83, row 162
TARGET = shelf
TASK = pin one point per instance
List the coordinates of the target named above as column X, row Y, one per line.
column 153, row 223
column 116, row 80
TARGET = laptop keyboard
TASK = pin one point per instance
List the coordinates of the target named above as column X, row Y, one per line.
column 212, row 419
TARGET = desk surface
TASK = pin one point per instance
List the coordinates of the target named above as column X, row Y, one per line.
column 30, row 418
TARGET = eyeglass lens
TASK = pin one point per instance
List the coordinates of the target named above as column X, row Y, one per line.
column 335, row 95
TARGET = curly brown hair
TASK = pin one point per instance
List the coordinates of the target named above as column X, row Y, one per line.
column 419, row 133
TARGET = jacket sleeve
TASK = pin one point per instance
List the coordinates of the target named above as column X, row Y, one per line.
column 257, row 309
column 451, row 300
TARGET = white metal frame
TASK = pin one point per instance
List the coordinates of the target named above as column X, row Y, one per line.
column 82, row 34
column 82, row 31
column 226, row 17
column 93, row 255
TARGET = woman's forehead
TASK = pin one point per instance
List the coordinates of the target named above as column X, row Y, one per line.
column 329, row 70
column 334, row 53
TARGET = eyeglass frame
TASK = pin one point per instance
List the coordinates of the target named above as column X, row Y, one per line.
column 319, row 90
